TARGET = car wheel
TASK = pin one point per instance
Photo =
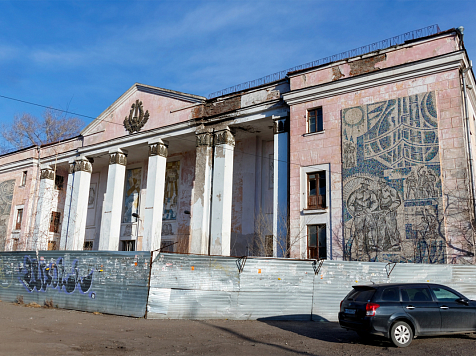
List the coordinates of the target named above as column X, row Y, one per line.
column 401, row 334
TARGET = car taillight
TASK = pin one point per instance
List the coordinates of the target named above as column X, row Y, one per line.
column 370, row 309
column 341, row 304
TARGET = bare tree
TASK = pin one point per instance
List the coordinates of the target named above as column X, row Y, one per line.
column 28, row 130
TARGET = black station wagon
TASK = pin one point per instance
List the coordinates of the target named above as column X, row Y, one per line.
column 403, row 311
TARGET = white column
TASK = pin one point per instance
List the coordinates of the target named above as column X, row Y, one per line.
column 43, row 211
column 220, row 234
column 113, row 202
column 281, row 187
column 200, row 218
column 76, row 205
column 154, row 200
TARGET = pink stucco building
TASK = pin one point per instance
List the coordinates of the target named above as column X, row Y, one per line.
column 367, row 155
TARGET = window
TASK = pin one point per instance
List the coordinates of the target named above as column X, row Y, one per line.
column 23, row 179
column 15, row 245
column 55, row 221
column 59, row 182
column 444, row 295
column 128, row 245
column 316, row 190
column 314, row 120
column 416, row 295
column 88, row 245
column 316, row 242
column 19, row 219
column 391, row 294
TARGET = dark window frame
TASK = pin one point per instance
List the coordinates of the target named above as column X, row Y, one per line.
column 128, row 245
column 317, row 185
column 88, row 245
column 19, row 219
column 315, row 249
column 23, row 178
column 55, row 222
column 315, row 120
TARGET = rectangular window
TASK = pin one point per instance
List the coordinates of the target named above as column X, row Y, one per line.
column 19, row 219
column 129, row 245
column 316, row 242
column 59, row 182
column 15, row 245
column 55, row 221
column 314, row 120
column 316, row 190
column 51, row 245
column 88, row 245
column 23, row 179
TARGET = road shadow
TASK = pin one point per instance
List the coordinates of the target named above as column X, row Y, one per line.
column 320, row 329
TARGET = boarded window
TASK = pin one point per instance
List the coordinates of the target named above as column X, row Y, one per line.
column 19, row 219
column 51, row 245
column 316, row 190
column 315, row 120
column 55, row 221
column 316, row 242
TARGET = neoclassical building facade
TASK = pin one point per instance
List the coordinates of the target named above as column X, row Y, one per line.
column 367, row 157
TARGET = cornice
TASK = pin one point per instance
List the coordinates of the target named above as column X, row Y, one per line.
column 18, row 165
column 384, row 76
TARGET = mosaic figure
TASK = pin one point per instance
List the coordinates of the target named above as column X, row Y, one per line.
column 172, row 175
column 391, row 170
column 132, row 193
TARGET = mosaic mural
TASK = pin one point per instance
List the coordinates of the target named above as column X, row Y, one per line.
column 6, row 197
column 132, row 193
column 169, row 218
column 391, row 181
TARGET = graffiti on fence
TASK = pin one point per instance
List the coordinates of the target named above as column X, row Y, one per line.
column 38, row 275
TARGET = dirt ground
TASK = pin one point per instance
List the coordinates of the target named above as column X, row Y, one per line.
column 39, row 331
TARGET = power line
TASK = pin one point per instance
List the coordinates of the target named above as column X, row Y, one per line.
column 112, row 122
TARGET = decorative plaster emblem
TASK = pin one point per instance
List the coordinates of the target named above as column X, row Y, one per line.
column 280, row 125
column 158, row 149
column 137, row 118
column 224, row 137
column 47, row 173
column 82, row 165
column 204, row 139
column 118, row 158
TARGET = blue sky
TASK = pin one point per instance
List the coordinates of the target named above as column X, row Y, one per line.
column 82, row 55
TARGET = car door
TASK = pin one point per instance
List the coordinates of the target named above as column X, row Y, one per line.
column 455, row 316
column 418, row 303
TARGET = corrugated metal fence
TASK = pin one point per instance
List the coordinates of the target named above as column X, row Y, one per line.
column 203, row 287
column 106, row 282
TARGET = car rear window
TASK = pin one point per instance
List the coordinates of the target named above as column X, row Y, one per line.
column 361, row 295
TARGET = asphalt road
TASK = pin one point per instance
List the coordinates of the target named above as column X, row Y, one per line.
column 39, row 331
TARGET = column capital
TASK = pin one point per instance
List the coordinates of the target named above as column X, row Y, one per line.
column 204, row 139
column 224, row 137
column 47, row 173
column 80, row 165
column 158, row 149
column 118, row 158
column 280, row 125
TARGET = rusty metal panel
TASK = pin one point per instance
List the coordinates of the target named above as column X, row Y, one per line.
column 106, row 282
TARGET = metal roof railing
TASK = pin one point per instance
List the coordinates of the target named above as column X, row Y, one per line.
column 389, row 42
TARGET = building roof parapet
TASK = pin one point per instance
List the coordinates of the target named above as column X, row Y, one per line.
column 389, row 42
